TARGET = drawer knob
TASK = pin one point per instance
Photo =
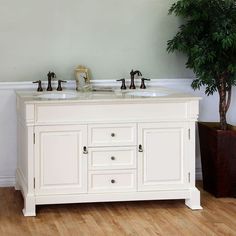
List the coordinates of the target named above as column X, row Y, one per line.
column 113, row 158
column 113, row 181
column 113, row 134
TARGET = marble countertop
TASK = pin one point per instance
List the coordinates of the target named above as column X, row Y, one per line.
column 153, row 94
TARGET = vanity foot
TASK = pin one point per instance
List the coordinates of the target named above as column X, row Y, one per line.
column 194, row 201
column 29, row 207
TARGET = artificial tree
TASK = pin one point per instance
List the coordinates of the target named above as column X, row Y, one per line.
column 208, row 38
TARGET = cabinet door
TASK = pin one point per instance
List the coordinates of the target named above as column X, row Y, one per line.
column 162, row 158
column 60, row 164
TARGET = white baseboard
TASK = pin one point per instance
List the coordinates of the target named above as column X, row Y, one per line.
column 7, row 181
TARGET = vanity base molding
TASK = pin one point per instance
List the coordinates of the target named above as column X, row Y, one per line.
column 191, row 197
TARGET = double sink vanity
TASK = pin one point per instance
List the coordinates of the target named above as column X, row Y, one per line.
column 76, row 147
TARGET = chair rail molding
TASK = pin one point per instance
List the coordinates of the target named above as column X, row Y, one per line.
column 72, row 85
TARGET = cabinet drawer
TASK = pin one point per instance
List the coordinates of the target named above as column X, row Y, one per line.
column 112, row 158
column 112, row 135
column 112, row 181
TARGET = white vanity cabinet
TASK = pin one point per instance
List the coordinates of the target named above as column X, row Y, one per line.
column 96, row 150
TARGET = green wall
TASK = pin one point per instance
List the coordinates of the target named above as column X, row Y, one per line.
column 111, row 37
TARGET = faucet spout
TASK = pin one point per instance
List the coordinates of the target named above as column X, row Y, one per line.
column 132, row 75
column 137, row 72
column 50, row 75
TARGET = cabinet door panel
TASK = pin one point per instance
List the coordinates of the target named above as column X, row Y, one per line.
column 162, row 163
column 60, row 166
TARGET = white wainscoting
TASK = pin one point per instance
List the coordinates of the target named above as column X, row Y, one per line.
column 8, row 141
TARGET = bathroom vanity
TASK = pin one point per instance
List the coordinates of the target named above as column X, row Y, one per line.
column 98, row 147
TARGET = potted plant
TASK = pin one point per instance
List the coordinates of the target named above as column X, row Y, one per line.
column 208, row 38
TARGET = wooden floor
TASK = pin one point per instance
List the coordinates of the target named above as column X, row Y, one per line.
column 127, row 218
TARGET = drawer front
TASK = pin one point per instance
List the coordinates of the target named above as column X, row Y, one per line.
column 112, row 181
column 112, row 135
column 112, row 158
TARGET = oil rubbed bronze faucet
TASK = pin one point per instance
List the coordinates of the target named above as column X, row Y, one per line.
column 59, row 88
column 143, row 86
column 132, row 75
column 123, row 86
column 39, row 82
column 50, row 75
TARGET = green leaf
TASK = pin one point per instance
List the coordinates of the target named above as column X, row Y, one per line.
column 208, row 38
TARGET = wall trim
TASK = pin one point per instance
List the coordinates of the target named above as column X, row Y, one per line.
column 71, row 83
column 7, row 181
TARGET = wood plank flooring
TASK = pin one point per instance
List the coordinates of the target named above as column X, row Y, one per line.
column 124, row 218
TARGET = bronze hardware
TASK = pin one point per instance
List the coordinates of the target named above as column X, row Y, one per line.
column 140, row 148
column 143, row 86
column 113, row 181
column 113, row 158
column 39, row 82
column 113, row 134
column 123, row 86
column 59, row 88
column 50, row 75
column 85, row 150
column 132, row 74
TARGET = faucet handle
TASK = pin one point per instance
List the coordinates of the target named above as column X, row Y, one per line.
column 143, row 86
column 123, row 86
column 59, row 88
column 39, row 82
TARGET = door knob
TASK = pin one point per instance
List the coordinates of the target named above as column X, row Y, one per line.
column 140, row 148
column 85, row 150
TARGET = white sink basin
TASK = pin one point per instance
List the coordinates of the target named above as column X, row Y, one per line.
column 59, row 95
column 147, row 93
